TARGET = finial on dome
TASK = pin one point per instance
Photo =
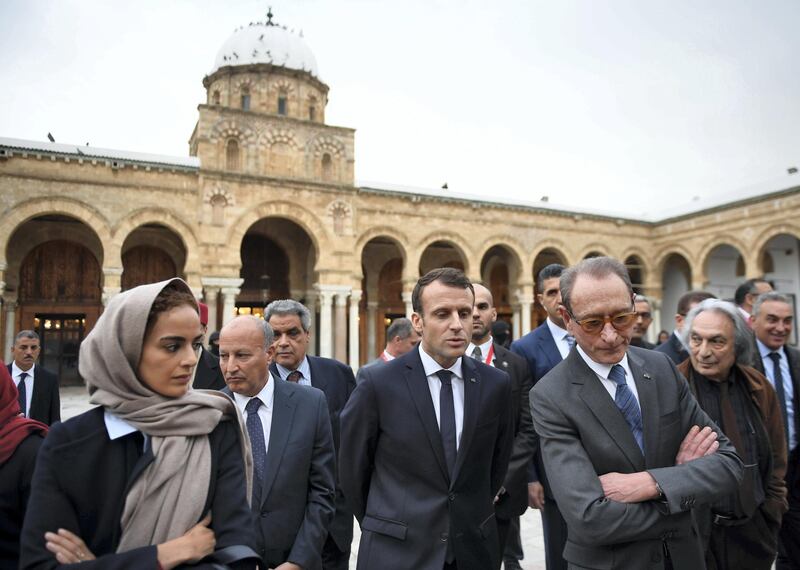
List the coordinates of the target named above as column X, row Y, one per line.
column 269, row 17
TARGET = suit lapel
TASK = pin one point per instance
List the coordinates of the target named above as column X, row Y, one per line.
column 36, row 397
column 283, row 408
column 599, row 402
column 550, row 348
column 421, row 395
column 318, row 379
column 472, row 397
column 649, row 406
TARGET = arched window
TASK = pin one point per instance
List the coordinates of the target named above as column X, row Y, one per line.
column 245, row 98
column 327, row 167
column 215, row 98
column 283, row 104
column 218, row 204
column 232, row 155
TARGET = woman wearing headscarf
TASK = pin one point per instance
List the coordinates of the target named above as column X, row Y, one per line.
column 157, row 475
column 20, row 439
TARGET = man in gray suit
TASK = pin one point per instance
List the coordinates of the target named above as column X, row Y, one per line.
column 401, row 338
column 627, row 449
column 292, row 445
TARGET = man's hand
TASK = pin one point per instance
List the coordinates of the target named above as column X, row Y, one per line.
column 629, row 488
column 697, row 443
column 536, row 495
column 197, row 543
column 68, row 547
column 288, row 566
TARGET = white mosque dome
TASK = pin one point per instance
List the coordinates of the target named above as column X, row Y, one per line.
column 267, row 42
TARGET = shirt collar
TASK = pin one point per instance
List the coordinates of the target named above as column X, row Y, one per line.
column 266, row 395
column 484, row 347
column 16, row 370
column 602, row 370
column 116, row 426
column 304, row 369
column 555, row 330
column 765, row 351
column 386, row 356
column 431, row 367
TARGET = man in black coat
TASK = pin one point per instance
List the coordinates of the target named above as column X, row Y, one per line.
column 37, row 387
column 207, row 375
column 291, row 321
column 673, row 347
column 426, row 440
column 512, row 501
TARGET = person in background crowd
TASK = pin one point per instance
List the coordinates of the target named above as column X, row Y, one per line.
column 512, row 501
column 133, row 482
column 674, row 346
column 213, row 343
column 426, row 440
column 621, row 436
column 39, row 398
column 772, row 322
column 746, row 295
column 207, row 375
column 644, row 316
column 20, row 439
column 501, row 332
column 740, row 529
column 291, row 321
column 400, row 339
column 290, row 435
column 544, row 348
column 663, row 336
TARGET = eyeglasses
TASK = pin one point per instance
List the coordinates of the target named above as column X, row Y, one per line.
column 594, row 325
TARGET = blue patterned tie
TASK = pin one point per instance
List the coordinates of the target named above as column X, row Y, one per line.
column 259, row 448
column 780, row 390
column 627, row 404
column 570, row 341
column 23, row 393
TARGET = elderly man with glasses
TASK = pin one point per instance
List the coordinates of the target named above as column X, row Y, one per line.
column 739, row 530
column 628, row 451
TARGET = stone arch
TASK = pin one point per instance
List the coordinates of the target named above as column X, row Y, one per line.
column 724, row 239
column 322, row 144
column 664, row 253
column 593, row 248
column 274, row 136
column 20, row 214
column 226, row 129
column 399, row 239
column 453, row 239
column 764, row 237
column 510, row 244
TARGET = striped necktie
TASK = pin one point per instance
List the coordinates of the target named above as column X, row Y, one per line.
column 627, row 404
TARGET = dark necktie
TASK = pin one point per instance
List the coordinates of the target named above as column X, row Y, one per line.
column 23, row 393
column 570, row 341
column 476, row 353
column 627, row 404
column 294, row 376
column 777, row 377
column 447, row 418
column 259, row 448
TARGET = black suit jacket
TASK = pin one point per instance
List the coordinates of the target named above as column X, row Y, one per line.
column 336, row 380
column 81, row 480
column 674, row 349
column 208, row 375
column 514, row 502
column 46, row 401
column 393, row 471
column 15, row 488
column 297, row 499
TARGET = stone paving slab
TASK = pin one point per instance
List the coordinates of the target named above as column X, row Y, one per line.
column 75, row 400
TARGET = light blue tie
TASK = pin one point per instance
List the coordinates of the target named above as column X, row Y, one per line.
column 570, row 340
column 259, row 449
column 627, row 404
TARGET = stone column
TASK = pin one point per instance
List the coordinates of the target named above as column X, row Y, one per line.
column 228, row 303
column 229, row 287
column 311, row 305
column 516, row 321
column 409, row 305
column 340, row 337
column 353, row 333
column 372, row 317
column 10, row 307
column 525, row 298
column 655, row 326
column 325, row 322
column 211, row 294
column 112, row 281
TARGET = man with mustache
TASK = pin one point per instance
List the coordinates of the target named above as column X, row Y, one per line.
column 426, row 440
column 39, row 397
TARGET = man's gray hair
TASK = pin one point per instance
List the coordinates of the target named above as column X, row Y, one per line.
column 742, row 336
column 596, row 267
column 289, row 307
column 639, row 298
column 771, row 296
column 26, row 334
column 400, row 327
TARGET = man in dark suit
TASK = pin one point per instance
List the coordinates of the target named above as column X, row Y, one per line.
column 293, row 457
column 772, row 321
column 747, row 293
column 644, row 317
column 512, row 501
column 673, row 347
column 620, row 436
column 401, row 338
column 207, row 374
column 290, row 321
column 39, row 398
column 426, row 440
column 545, row 347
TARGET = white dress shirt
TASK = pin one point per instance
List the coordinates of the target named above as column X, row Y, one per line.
column 484, row 351
column 15, row 374
column 560, row 336
column 431, row 367
column 788, row 387
column 304, row 369
column 603, row 370
column 117, row 427
column 386, row 357
column 267, row 397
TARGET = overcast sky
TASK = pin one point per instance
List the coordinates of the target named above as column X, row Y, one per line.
column 623, row 105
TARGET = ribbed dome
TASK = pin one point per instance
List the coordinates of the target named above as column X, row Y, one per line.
column 262, row 42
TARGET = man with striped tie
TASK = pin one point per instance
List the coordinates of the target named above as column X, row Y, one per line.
column 628, row 451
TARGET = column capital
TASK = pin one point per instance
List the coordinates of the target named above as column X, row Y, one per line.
column 230, row 291
column 407, row 295
column 341, row 298
column 523, row 297
column 10, row 301
column 373, row 305
column 112, row 271
column 109, row 293
column 219, row 282
column 2, row 288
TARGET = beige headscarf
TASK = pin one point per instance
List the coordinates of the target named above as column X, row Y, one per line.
column 166, row 500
